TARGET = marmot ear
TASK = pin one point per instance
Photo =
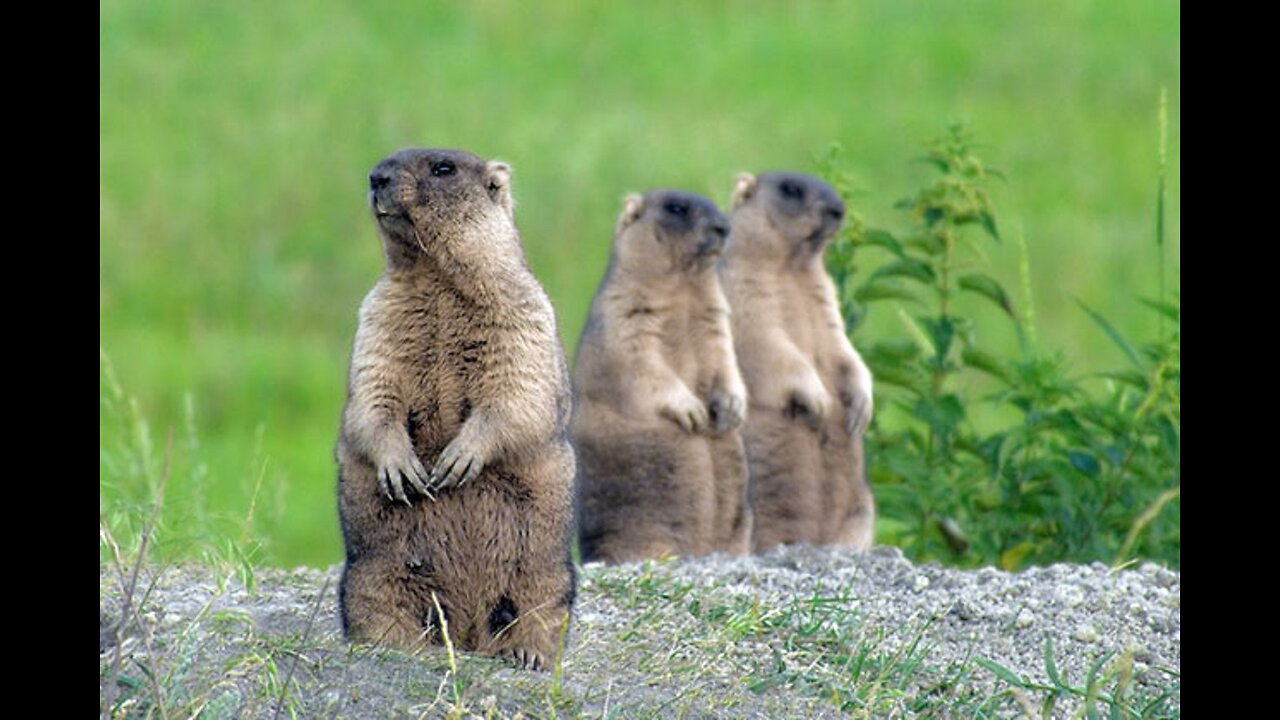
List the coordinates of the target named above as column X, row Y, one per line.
column 632, row 206
column 497, row 179
column 743, row 188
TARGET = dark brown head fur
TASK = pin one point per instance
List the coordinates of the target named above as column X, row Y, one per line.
column 668, row 231
column 801, row 212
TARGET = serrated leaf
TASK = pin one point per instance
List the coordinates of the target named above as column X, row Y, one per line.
column 987, row 363
column 1128, row 377
column 942, row 331
column 1001, row 672
column 916, row 333
column 885, row 240
column 1114, row 334
column 935, row 161
column 901, row 377
column 1085, row 463
column 929, row 243
column 893, row 351
column 874, row 291
column 986, row 286
column 1169, row 310
column 989, row 224
column 944, row 414
column 907, row 268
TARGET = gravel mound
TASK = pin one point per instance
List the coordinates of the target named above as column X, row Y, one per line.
column 800, row 632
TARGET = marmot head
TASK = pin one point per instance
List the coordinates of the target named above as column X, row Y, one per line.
column 803, row 211
column 425, row 199
column 667, row 230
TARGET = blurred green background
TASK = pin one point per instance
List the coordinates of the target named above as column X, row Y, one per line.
column 236, row 137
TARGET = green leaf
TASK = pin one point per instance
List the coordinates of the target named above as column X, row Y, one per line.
column 943, row 415
column 989, row 224
column 1001, row 672
column 1091, row 682
column 1128, row 377
column 1050, row 667
column 942, row 331
column 917, row 270
column 873, row 290
column 902, row 377
column 935, row 161
column 885, row 240
column 987, row 363
column 893, row 351
column 916, row 333
column 1085, row 463
column 1011, row 559
column 1114, row 334
column 986, row 286
column 1169, row 310
column 929, row 243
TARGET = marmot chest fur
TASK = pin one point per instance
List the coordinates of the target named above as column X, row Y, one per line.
column 809, row 390
column 455, row 470
column 658, row 395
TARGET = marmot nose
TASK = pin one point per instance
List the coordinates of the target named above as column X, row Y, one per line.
column 835, row 212
column 378, row 180
column 719, row 228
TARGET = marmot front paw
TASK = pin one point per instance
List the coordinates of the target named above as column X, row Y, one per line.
column 460, row 462
column 857, row 409
column 727, row 410
column 399, row 468
column 809, row 405
column 686, row 410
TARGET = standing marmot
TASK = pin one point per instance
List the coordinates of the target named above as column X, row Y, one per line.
column 810, row 391
column 658, row 396
column 458, row 368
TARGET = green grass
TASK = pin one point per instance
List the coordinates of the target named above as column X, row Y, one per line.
column 235, row 138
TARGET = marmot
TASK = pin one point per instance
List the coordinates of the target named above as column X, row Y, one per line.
column 455, row 479
column 657, row 393
column 809, row 390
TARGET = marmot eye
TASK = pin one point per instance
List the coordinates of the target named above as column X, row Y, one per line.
column 678, row 209
column 443, row 168
column 791, row 190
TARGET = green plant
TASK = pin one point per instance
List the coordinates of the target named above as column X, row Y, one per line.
column 1089, row 467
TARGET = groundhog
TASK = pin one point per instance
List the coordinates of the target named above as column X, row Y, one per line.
column 809, row 390
column 658, row 398
column 455, row 472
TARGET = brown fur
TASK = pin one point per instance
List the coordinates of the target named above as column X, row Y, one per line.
column 658, row 396
column 457, row 362
column 810, row 391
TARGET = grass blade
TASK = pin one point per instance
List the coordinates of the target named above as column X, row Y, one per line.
column 1114, row 334
column 1001, row 672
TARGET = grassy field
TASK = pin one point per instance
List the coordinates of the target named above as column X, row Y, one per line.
column 235, row 139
